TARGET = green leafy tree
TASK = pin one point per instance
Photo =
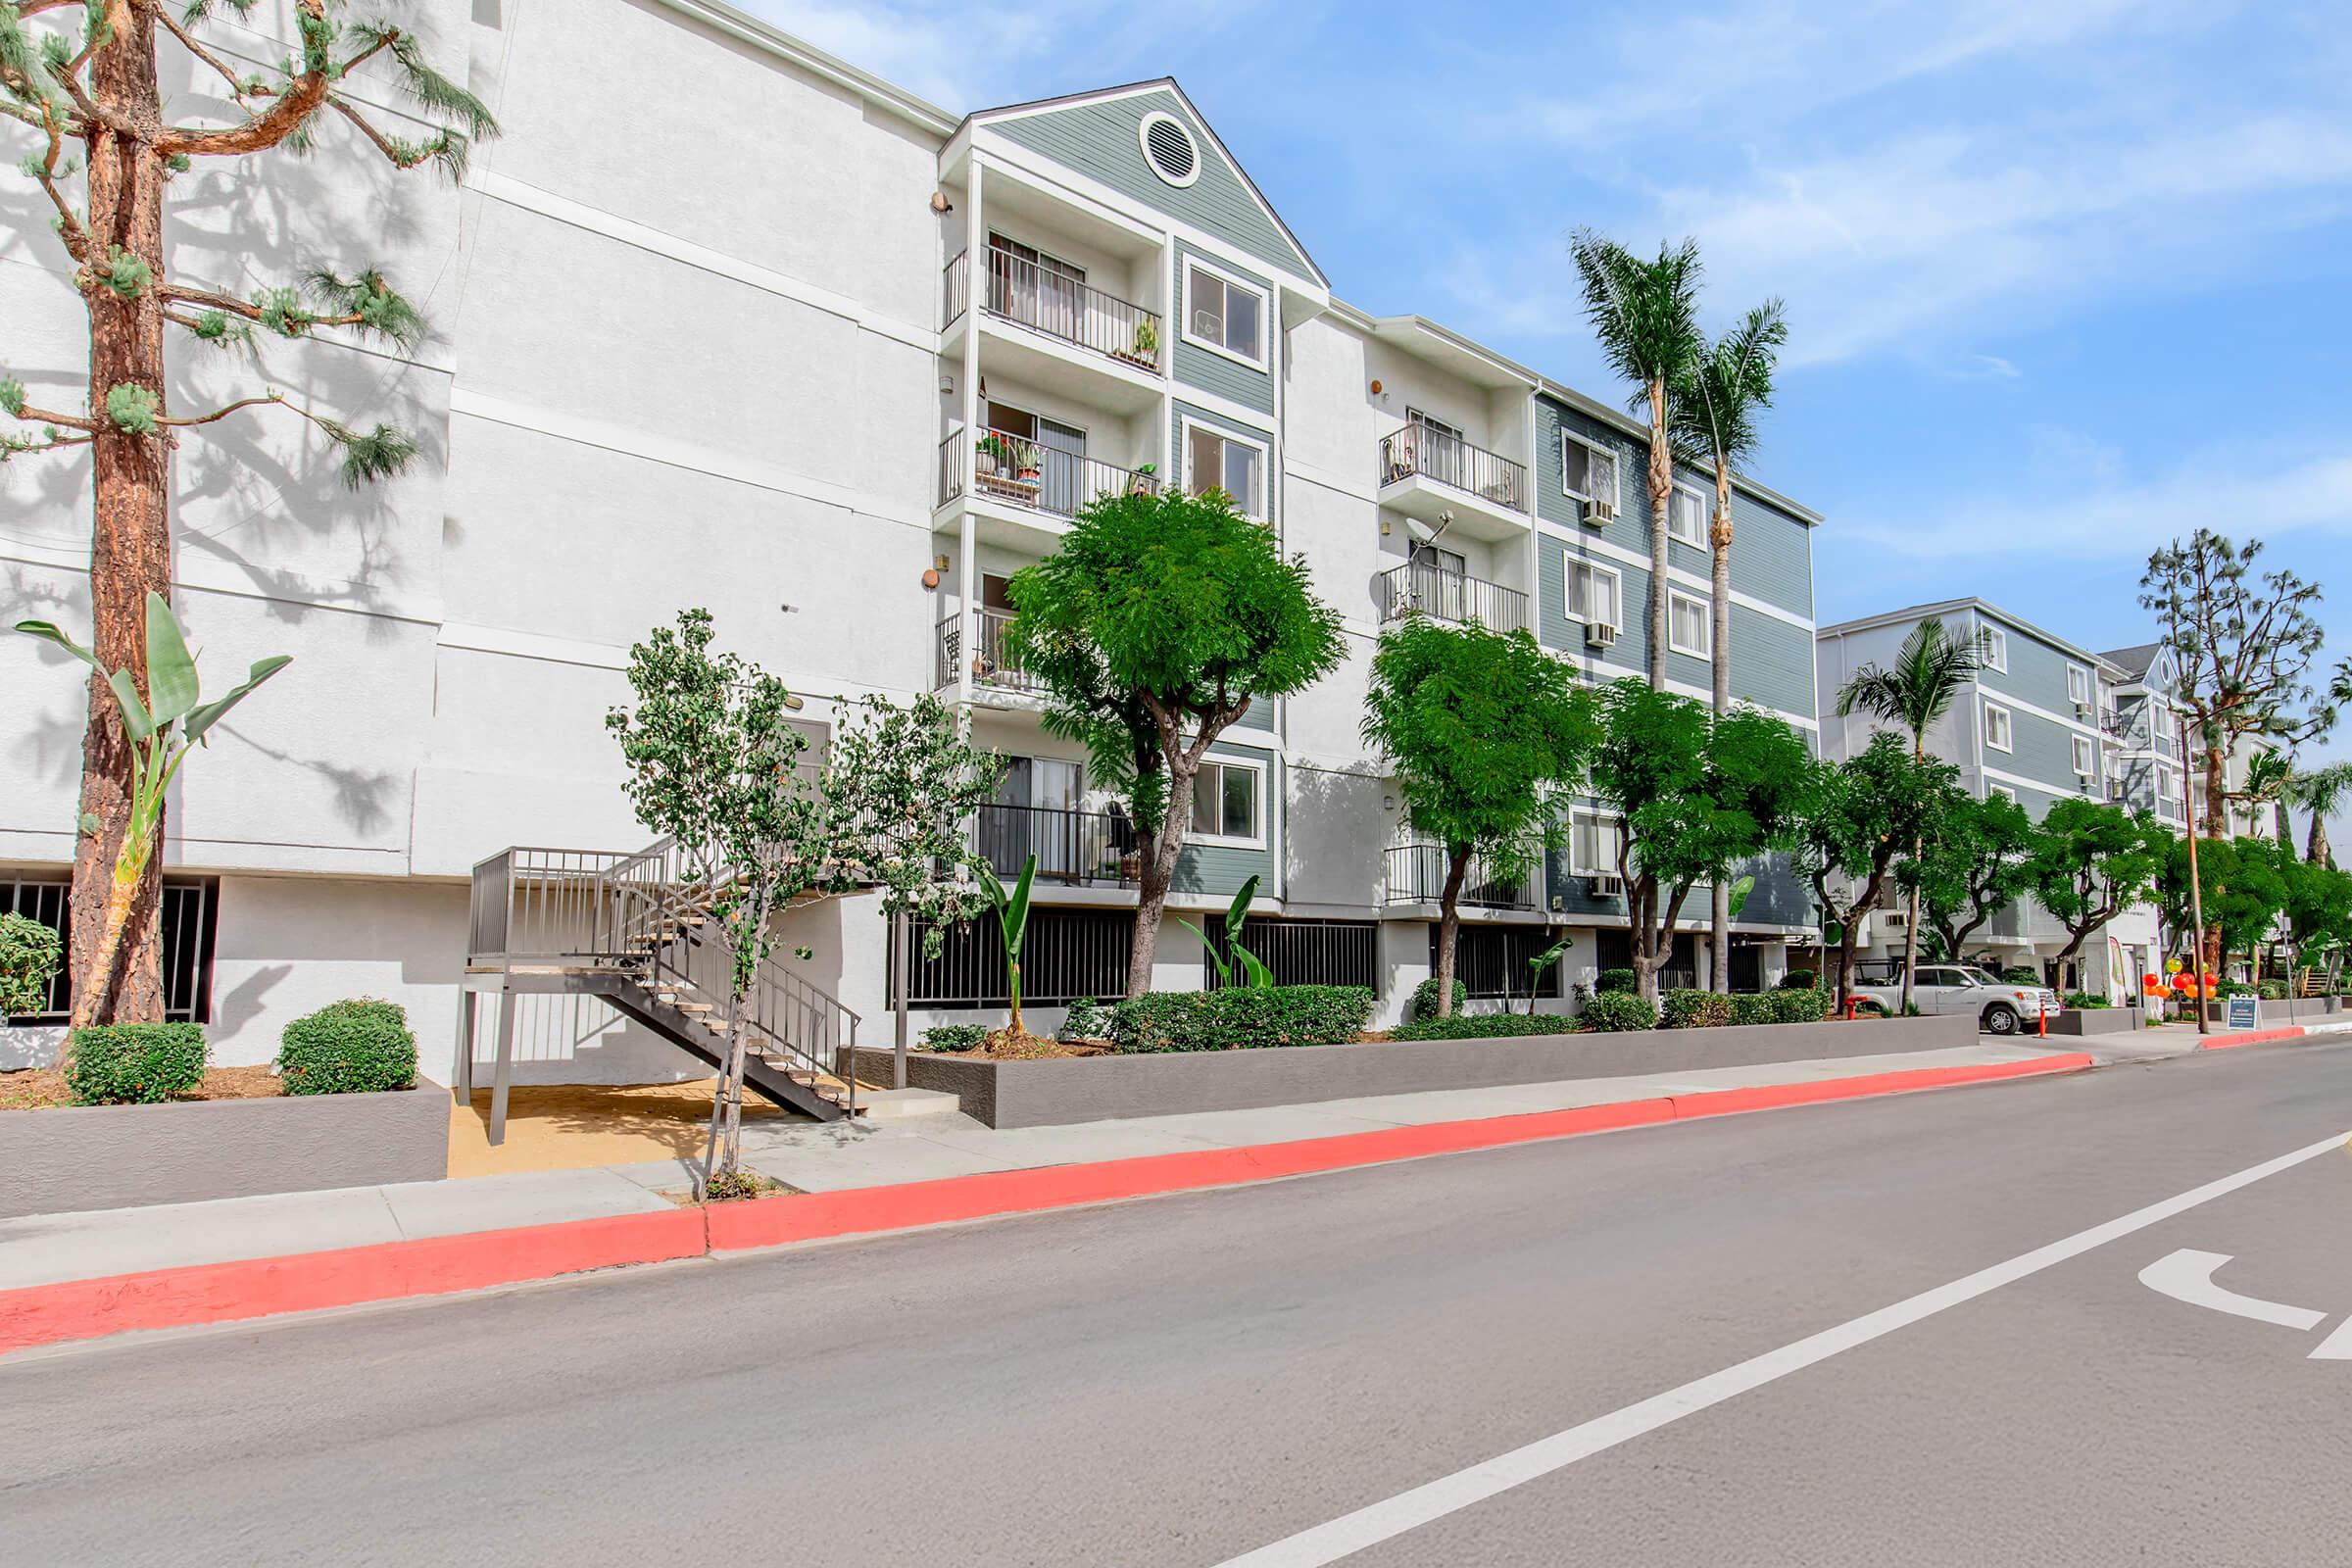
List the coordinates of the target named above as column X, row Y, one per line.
column 1973, row 865
column 2318, row 912
column 901, row 787
column 160, row 727
column 30, row 953
column 1485, row 733
column 1931, row 671
column 80, row 86
column 1697, row 793
column 1718, row 422
column 713, row 763
column 2091, row 862
column 1644, row 315
column 1851, row 822
column 1152, row 630
column 2244, row 892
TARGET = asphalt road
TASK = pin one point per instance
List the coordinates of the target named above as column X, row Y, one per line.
column 1197, row 1378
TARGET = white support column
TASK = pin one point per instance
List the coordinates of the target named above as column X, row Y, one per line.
column 502, row 1071
column 968, row 621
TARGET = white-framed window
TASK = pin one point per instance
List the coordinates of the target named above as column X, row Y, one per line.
column 1687, row 516
column 2168, row 784
column 1224, row 315
column 1216, row 459
column 2077, row 684
column 1587, row 471
column 2003, row 790
column 1592, row 844
column 1993, row 646
column 1596, row 593
column 1996, row 727
column 1229, row 803
column 1686, row 625
column 2086, row 756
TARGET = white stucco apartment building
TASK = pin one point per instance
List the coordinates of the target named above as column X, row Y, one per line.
column 799, row 347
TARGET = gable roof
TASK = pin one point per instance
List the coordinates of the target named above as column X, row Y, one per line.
column 1279, row 247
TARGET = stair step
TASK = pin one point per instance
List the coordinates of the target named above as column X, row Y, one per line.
column 906, row 1105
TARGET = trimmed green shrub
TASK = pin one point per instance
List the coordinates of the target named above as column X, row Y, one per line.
column 135, row 1064
column 1799, row 1007
column 2271, row 990
column 1694, row 1009
column 2085, row 999
column 1798, row 980
column 1751, row 1009
column 1240, row 1018
column 954, row 1037
column 362, row 1047
column 1614, row 980
column 29, row 957
column 1085, row 1020
column 1484, row 1026
column 2234, row 988
column 1610, row 1011
column 2019, row 974
column 1425, row 998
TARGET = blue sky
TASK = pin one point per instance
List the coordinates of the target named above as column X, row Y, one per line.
column 2065, row 277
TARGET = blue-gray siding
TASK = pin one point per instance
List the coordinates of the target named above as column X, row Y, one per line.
column 1217, row 868
column 1100, row 140
column 2040, row 749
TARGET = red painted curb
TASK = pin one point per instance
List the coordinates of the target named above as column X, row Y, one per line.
column 2252, row 1037
column 302, row 1282
column 1728, row 1101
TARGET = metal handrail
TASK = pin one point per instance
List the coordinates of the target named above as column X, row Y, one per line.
column 1060, row 306
column 990, row 666
column 1070, row 846
column 1416, row 874
column 1428, row 589
column 1451, row 460
column 1023, row 472
column 954, row 290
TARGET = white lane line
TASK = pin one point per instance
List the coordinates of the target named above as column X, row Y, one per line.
column 2188, row 1276
column 1407, row 1511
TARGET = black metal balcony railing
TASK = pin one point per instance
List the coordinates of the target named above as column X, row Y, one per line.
column 1450, row 596
column 1070, row 846
column 989, row 665
column 1416, row 874
column 1020, row 290
column 1028, row 474
column 1451, row 460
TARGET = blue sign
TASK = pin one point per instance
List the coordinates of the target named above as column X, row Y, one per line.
column 2243, row 1013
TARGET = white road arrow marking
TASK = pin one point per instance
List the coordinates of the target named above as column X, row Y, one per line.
column 2336, row 1346
column 2188, row 1276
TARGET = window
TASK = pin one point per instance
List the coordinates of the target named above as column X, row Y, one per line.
column 2168, row 784
column 188, row 918
column 2000, row 792
column 1498, row 961
column 1993, row 646
column 2077, row 684
column 1224, row 314
column 1307, row 952
column 1587, row 472
column 1226, row 797
column 1592, row 844
column 1686, row 628
column 1216, row 460
column 1069, row 953
column 1595, row 595
column 1996, row 727
column 2086, row 756
column 1686, row 516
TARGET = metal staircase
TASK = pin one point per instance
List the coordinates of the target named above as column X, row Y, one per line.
column 636, row 930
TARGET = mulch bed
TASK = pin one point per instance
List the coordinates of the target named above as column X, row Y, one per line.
column 40, row 1088
column 1003, row 1045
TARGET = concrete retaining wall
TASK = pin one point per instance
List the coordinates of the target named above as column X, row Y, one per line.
column 118, row 1157
column 1051, row 1093
column 2096, row 1021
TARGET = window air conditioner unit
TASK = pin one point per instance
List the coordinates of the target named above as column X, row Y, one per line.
column 1599, row 513
column 1599, row 634
column 2082, row 710
column 1606, row 887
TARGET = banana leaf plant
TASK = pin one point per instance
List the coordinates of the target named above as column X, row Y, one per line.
column 1012, row 920
column 1235, row 964
column 1536, row 968
column 173, row 719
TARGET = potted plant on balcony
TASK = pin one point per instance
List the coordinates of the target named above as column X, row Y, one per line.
column 991, row 454
column 1025, row 461
column 1144, row 480
column 1146, row 352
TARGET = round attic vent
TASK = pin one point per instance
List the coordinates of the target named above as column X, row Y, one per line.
column 1169, row 149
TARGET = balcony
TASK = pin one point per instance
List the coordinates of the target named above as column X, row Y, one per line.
column 990, row 666
column 1417, row 589
column 1416, row 874
column 1051, row 330
column 1015, row 472
column 1429, row 473
column 1072, row 846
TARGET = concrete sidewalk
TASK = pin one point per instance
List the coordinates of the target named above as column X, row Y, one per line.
column 841, row 1157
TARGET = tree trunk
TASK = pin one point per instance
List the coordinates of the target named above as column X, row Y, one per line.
column 2209, row 956
column 1450, row 926
column 2315, row 846
column 1159, row 870
column 130, row 547
column 1661, row 492
column 1918, row 756
column 1719, row 540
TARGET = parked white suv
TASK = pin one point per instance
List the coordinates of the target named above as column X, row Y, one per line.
column 2001, row 1008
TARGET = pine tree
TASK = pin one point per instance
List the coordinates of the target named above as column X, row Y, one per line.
column 83, row 81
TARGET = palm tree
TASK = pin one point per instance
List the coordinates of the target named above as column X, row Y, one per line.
column 1716, row 417
column 2270, row 781
column 1931, row 671
column 2322, row 793
column 1646, row 317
